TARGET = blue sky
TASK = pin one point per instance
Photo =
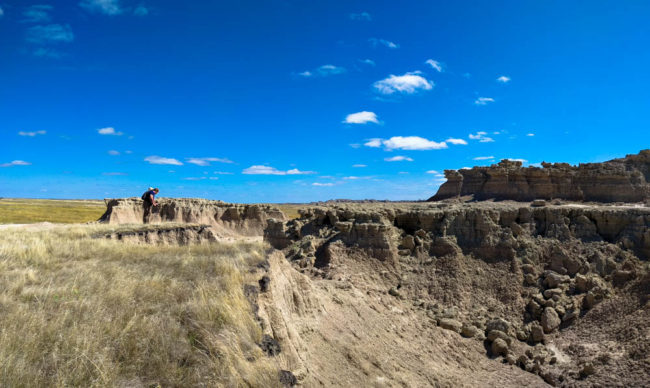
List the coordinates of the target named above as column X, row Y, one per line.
column 297, row 101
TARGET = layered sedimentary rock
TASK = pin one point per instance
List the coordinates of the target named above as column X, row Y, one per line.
column 186, row 234
column 619, row 180
column 243, row 219
column 537, row 285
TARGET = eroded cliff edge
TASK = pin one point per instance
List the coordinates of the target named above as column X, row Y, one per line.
column 558, row 291
column 619, row 180
column 242, row 219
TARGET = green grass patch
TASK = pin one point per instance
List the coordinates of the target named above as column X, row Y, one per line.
column 27, row 211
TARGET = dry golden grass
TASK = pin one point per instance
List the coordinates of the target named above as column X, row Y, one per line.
column 79, row 311
column 25, row 211
column 289, row 210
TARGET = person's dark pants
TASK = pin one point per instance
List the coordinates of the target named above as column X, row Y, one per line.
column 146, row 206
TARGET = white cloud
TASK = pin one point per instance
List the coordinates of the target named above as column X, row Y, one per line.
column 361, row 16
column 106, row 7
column 47, row 52
column 1, row 12
column 39, row 13
column 359, row 165
column 330, row 70
column 113, row 152
column 141, row 10
column 115, row 173
column 361, row 118
column 50, row 33
column 399, row 159
column 503, row 79
column 194, row 178
column 323, row 71
column 31, row 134
column 375, row 42
column 213, row 178
column 222, row 173
column 408, row 83
column 268, row 170
column 435, row 64
column 206, row 161
column 322, row 184
column 375, row 143
column 530, row 134
column 483, row 100
column 483, row 158
column 109, row 131
column 480, row 136
column 456, row 141
column 412, row 143
column 128, row 152
column 433, row 172
column 517, row 160
column 161, row 160
column 15, row 163
column 367, row 62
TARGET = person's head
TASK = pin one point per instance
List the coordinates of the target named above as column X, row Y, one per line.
column 150, row 188
column 156, row 190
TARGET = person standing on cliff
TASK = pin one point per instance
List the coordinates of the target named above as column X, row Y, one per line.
column 149, row 198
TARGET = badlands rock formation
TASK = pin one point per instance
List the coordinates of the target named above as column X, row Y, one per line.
column 438, row 294
column 619, row 180
column 247, row 220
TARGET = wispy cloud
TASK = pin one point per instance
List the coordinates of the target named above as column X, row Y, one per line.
column 483, row 158
column 50, row 34
column 481, row 137
column 141, row 10
column 363, row 117
column 154, row 159
column 399, row 159
column 113, row 152
column 530, row 134
column 323, row 71
column 268, row 170
column 503, row 79
column 2, row 12
column 39, row 13
column 409, row 143
column 383, row 42
column 432, row 172
column 359, row 165
column 369, row 62
column 222, row 173
column 434, row 64
column 109, row 131
column 106, row 7
column 47, row 52
column 207, row 161
column 483, row 100
column 408, row 83
column 31, row 134
column 456, row 141
column 322, row 184
column 15, row 163
column 361, row 16
column 115, row 173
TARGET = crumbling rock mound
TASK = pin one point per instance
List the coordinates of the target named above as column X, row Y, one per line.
column 165, row 235
column 247, row 220
column 534, row 287
column 619, row 180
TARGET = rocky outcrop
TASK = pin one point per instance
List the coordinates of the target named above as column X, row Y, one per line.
column 534, row 282
column 619, row 180
column 164, row 235
column 242, row 219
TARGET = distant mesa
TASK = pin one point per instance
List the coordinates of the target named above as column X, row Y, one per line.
column 618, row 180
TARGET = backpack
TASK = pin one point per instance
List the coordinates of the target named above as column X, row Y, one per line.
column 145, row 196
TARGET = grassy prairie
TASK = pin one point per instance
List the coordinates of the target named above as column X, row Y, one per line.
column 80, row 311
column 26, row 211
